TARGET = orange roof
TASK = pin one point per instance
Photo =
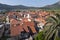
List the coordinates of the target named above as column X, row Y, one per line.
column 31, row 26
column 13, row 21
column 16, row 30
column 40, row 20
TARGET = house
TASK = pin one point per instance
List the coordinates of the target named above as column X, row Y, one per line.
column 41, row 23
column 29, row 23
column 15, row 27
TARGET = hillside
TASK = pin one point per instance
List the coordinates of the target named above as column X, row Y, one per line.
column 9, row 7
column 55, row 6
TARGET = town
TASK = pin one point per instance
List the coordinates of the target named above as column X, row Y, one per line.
column 22, row 25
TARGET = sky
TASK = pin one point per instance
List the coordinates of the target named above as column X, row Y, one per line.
column 33, row 3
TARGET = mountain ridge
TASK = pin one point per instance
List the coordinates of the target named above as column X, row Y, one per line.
column 10, row 7
column 53, row 6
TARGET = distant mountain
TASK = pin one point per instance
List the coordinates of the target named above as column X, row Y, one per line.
column 9, row 7
column 53, row 6
column 4, row 6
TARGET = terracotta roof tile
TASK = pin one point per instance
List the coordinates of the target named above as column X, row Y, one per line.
column 13, row 21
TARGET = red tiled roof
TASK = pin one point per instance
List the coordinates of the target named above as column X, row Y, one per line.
column 31, row 26
column 40, row 20
column 13, row 21
column 17, row 29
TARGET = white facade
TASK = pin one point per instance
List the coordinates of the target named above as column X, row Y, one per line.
column 7, row 20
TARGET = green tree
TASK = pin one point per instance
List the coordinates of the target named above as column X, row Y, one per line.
column 39, row 36
column 51, row 31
